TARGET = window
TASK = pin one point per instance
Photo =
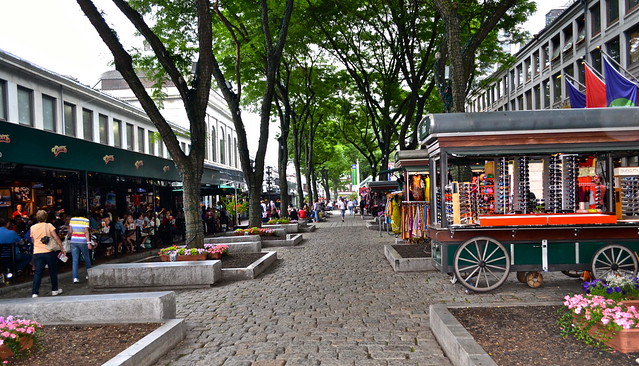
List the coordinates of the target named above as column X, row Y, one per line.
column 87, row 124
column 520, row 75
column 529, row 105
column 546, row 56
column 104, row 129
column 570, row 71
column 222, row 146
column 512, row 80
column 3, row 100
column 151, row 143
column 567, row 39
column 69, row 119
column 528, row 67
column 612, row 11
column 633, row 47
column 230, row 147
column 213, row 145
column 595, row 60
column 581, row 31
column 537, row 96
column 536, row 63
column 48, row 113
column 556, row 83
column 631, row 5
column 556, row 49
column 612, row 48
column 161, row 149
column 141, row 139
column 117, row 134
column 546, row 85
column 129, row 136
column 595, row 20
column 520, row 103
column 581, row 77
column 25, row 106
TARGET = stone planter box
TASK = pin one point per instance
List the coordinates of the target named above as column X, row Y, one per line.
column 288, row 228
column 287, row 241
column 400, row 264
column 252, row 271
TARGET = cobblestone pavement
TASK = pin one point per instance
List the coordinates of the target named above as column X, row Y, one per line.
column 333, row 300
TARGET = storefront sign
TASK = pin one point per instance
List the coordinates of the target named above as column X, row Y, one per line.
column 57, row 150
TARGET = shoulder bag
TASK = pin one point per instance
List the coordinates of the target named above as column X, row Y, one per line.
column 51, row 245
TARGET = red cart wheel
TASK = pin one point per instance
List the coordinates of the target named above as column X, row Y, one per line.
column 481, row 264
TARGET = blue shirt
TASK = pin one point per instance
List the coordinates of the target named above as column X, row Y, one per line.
column 8, row 236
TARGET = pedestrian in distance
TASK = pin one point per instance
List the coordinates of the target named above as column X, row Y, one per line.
column 342, row 207
column 80, row 241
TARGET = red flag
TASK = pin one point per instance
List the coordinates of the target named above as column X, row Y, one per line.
column 595, row 90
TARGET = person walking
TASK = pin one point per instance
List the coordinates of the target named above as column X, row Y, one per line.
column 342, row 207
column 42, row 256
column 80, row 239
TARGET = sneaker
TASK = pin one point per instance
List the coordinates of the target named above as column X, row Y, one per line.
column 34, row 296
column 56, row 293
column 87, row 277
column 76, row 280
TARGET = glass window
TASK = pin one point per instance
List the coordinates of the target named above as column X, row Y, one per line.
column 237, row 159
column 595, row 60
column 567, row 39
column 87, row 124
column 512, row 80
column 537, row 97
column 581, row 77
column 556, row 83
column 151, row 143
column 129, row 136
column 117, row 134
column 25, row 106
column 161, row 149
column 69, row 119
column 528, row 67
column 222, row 146
column 213, row 144
column 581, row 31
column 104, row 129
column 612, row 11
column 546, row 85
column 595, row 20
column 631, row 5
column 48, row 113
column 529, row 104
column 556, row 49
column 229, row 142
column 612, row 48
column 141, row 139
column 520, row 75
column 546, row 56
column 633, row 46
column 3, row 100
column 536, row 63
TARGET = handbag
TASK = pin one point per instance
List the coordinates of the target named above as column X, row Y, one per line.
column 66, row 244
column 51, row 245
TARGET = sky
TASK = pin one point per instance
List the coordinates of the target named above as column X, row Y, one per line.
column 55, row 35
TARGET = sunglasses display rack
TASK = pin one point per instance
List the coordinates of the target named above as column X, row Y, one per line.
column 502, row 193
column 521, row 183
column 569, row 174
column 468, row 203
column 627, row 183
column 486, row 195
column 553, row 190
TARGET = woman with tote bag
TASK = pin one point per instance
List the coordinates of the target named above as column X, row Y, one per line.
column 44, row 240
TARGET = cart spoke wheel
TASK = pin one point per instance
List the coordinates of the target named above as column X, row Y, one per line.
column 534, row 279
column 521, row 276
column 573, row 274
column 481, row 264
column 616, row 260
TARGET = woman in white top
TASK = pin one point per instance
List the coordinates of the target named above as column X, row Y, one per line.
column 42, row 256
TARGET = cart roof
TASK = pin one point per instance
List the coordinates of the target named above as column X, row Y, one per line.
column 567, row 130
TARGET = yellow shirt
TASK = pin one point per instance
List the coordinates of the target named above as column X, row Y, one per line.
column 38, row 231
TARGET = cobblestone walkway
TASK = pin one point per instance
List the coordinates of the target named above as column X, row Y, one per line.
column 333, row 300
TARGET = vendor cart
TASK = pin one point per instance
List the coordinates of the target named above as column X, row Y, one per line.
column 415, row 185
column 533, row 191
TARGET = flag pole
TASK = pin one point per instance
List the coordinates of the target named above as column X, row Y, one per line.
column 594, row 71
column 572, row 80
column 617, row 64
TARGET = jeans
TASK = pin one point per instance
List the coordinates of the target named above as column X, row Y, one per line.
column 76, row 248
column 39, row 261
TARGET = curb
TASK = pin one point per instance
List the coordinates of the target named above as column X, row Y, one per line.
column 153, row 346
column 458, row 345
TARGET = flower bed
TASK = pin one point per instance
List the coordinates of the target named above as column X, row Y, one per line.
column 255, row 231
column 604, row 316
column 17, row 336
column 278, row 221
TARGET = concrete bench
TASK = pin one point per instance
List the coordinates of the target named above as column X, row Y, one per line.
column 95, row 309
column 155, row 275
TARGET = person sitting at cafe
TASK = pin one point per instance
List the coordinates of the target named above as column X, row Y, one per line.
column 130, row 233
column 11, row 238
column 19, row 212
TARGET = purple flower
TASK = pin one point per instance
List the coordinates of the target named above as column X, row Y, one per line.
column 609, row 290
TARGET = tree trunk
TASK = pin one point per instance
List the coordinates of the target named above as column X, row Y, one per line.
column 281, row 165
column 255, row 210
column 192, row 215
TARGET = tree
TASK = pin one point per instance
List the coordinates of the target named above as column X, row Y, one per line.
column 195, row 96
column 472, row 29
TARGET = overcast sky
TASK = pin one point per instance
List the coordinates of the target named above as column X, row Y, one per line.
column 55, row 35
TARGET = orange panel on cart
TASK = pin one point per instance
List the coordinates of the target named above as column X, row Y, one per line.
column 547, row 219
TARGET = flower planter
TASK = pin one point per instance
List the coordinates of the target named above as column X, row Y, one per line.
column 6, row 352
column 215, row 255
column 198, row 257
column 624, row 341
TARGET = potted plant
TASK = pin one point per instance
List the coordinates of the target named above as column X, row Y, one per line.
column 604, row 316
column 175, row 253
column 216, row 251
column 17, row 336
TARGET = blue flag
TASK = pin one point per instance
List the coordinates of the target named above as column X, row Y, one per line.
column 620, row 92
column 577, row 98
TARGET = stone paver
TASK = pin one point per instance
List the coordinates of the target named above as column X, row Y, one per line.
column 333, row 300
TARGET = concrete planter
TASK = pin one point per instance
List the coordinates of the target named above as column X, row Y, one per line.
column 400, row 264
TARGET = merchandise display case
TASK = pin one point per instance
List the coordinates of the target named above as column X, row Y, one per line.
column 517, row 191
